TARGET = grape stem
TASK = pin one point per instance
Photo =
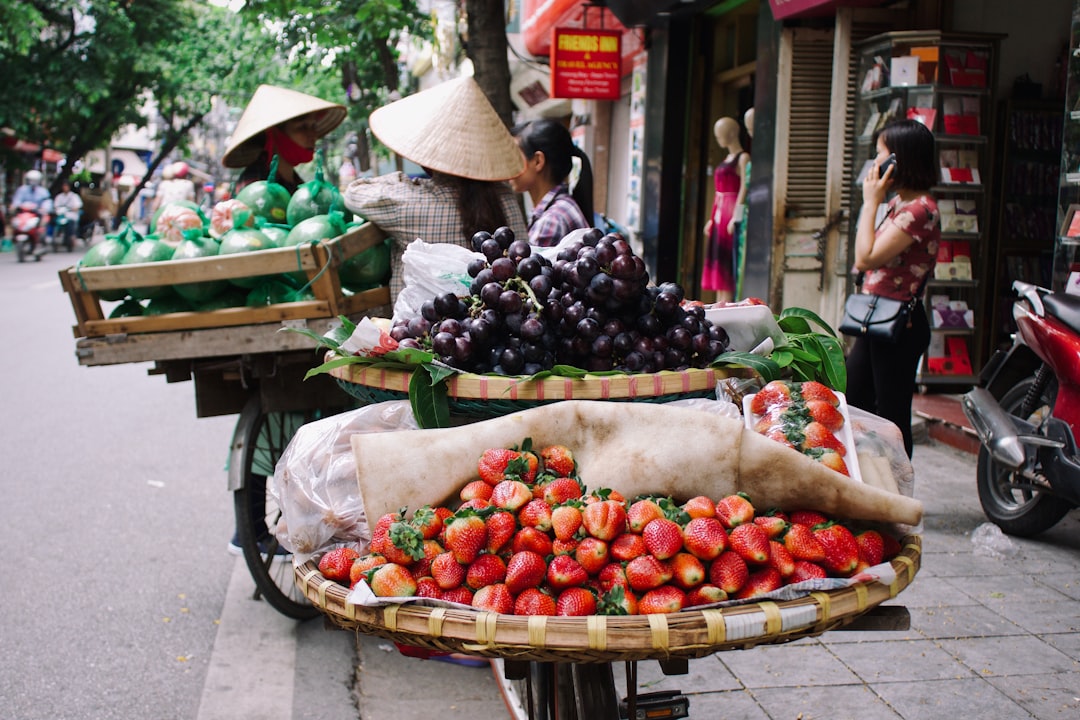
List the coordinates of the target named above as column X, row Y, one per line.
column 522, row 286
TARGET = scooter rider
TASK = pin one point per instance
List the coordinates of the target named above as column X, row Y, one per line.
column 67, row 205
column 32, row 194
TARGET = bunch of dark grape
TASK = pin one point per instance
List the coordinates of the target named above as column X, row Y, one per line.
column 592, row 308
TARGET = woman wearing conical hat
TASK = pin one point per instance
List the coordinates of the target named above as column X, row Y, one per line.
column 453, row 133
column 281, row 122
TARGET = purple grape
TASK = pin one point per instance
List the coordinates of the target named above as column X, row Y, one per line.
column 419, row 327
column 491, row 249
column 588, row 329
column 490, row 294
column 519, row 250
column 478, row 239
column 410, row 344
column 634, row 361
column 503, row 269
column 529, row 268
column 622, row 268
column 504, row 236
column 532, row 328
column 592, row 236
column 443, row 343
column 450, row 325
column 475, row 266
column 509, row 302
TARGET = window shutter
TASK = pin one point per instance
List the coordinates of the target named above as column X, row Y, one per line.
column 811, row 92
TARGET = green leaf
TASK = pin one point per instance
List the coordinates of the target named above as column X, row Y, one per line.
column 765, row 367
column 798, row 312
column 438, row 373
column 794, row 325
column 334, row 363
column 320, row 340
column 428, row 400
column 782, row 357
column 833, row 363
column 801, row 354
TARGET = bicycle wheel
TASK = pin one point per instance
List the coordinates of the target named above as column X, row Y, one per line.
column 258, row 442
column 557, row 691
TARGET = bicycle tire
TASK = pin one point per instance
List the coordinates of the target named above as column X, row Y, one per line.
column 258, row 441
column 560, row 691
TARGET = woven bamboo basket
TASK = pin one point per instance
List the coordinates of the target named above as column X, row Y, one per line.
column 488, row 396
column 598, row 638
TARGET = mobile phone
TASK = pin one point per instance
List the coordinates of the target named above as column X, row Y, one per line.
column 886, row 164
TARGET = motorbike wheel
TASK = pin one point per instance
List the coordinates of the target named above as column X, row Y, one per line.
column 1007, row 498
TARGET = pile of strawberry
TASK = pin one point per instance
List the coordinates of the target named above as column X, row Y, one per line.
column 804, row 416
column 528, row 539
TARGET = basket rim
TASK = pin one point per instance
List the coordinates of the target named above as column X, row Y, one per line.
column 689, row 633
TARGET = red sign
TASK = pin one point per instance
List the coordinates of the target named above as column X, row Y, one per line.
column 586, row 64
column 539, row 17
column 782, row 9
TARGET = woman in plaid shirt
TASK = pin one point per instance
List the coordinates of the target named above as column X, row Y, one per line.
column 455, row 135
column 549, row 152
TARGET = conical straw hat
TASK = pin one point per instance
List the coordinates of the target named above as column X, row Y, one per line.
column 451, row 128
column 270, row 106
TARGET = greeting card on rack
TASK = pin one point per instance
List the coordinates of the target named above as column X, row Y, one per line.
column 925, row 115
column 904, row 71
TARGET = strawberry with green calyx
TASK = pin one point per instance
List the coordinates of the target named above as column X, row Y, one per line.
column 532, row 601
column 564, row 571
column 461, row 595
column 447, row 571
column 611, row 575
column 391, row 580
column 809, row 518
column 841, row 548
column 806, row 570
column 361, row 565
column 750, row 542
column 564, row 547
column 813, row 390
column 666, row 599
column 780, row 559
column 699, row 506
column 604, row 519
column 617, row 601
column 493, row 464
column 475, row 504
column 422, row 566
column 800, row 542
column 871, row 547
column 494, row 598
column 760, row 582
column 336, row 564
column 524, row 570
column 566, row 520
column 705, row 538
column 558, row 460
column 428, row 522
column 775, row 393
column 641, row 512
column 380, row 533
column 705, row 595
column 477, row 489
column 604, row 494
column 485, row 570
column 773, row 525
column 501, row 526
column 830, row 459
column 561, row 490
column 529, row 538
column 426, row 587
column 816, row 435
column 591, row 554
column 686, row 571
column 575, row 601
column 646, row 572
column 466, row 535
column 511, row 495
column 406, row 543
column 673, row 512
column 663, row 538
column 734, row 510
column 627, row 546
column 729, row 572
column 825, row 413
column 535, row 513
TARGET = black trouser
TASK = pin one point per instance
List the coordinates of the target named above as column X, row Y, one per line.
column 881, row 375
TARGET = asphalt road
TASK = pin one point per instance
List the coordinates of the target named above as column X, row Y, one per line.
column 119, row 600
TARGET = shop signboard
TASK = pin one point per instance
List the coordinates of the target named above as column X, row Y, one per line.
column 782, row 9
column 586, row 64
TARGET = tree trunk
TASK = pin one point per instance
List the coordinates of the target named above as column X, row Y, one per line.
column 487, row 49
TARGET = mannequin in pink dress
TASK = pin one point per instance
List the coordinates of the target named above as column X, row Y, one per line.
column 717, row 274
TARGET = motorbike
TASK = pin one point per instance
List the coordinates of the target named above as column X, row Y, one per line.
column 1026, row 411
column 28, row 232
column 61, row 235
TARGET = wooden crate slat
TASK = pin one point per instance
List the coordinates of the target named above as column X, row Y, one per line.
column 228, row 317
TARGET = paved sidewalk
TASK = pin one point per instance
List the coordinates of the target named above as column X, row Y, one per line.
column 990, row 637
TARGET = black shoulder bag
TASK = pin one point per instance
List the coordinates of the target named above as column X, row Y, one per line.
column 877, row 317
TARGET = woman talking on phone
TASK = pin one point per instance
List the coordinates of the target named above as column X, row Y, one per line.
column 896, row 258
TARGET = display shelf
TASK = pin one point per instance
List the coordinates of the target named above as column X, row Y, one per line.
column 1065, row 274
column 946, row 81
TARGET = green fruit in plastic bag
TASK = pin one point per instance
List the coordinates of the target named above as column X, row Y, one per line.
column 273, row 292
column 230, row 297
column 276, row 233
column 181, row 203
column 128, row 308
column 367, row 269
column 312, row 230
column 195, row 246
column 244, row 240
column 148, row 250
column 166, row 304
column 315, row 197
column 110, row 251
column 268, row 200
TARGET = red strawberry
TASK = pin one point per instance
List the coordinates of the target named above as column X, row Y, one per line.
column 336, row 564
column 773, row 525
column 778, row 433
column 561, row 489
column 686, row 571
column 871, row 547
column 813, row 390
column 536, row 513
column 564, row 547
column 460, row 594
column 477, row 489
column 511, row 495
column 751, row 542
column 565, row 520
column 704, row 538
column 427, row 522
column 801, row 543
column 501, row 527
column 475, row 504
column 525, row 467
column 734, row 510
column 426, row 587
column 422, row 567
column 391, row 580
column 529, row 538
column 380, row 533
column 492, row 464
column 705, row 595
column 591, row 554
column 806, row 570
column 699, row 507
column 564, row 571
column 729, row 572
column 405, row 543
column 485, row 570
column 825, row 413
column 776, row 392
column 780, row 559
column 466, row 535
column 617, row 601
column 666, row 599
column 646, row 573
column 494, row 598
column 761, row 581
column 604, row 519
column 641, row 513
column 627, row 546
column 447, row 571
column 525, row 569
column 830, row 459
column 611, row 575
column 361, row 566
column 532, row 601
column 558, row 460
column 816, row 435
column 891, row 547
column 576, row 601
column 841, row 549
column 809, row 518
column 663, row 538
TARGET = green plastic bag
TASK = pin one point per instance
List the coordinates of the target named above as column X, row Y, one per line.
column 315, row 197
column 268, row 199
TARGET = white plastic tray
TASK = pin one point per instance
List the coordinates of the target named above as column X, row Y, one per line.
column 845, row 435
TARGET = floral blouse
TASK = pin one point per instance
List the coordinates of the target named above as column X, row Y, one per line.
column 902, row 277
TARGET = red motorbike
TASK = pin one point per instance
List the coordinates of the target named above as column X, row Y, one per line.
column 1026, row 411
column 28, row 231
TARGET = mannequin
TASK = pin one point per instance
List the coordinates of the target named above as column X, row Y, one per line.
column 718, row 273
column 742, row 211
